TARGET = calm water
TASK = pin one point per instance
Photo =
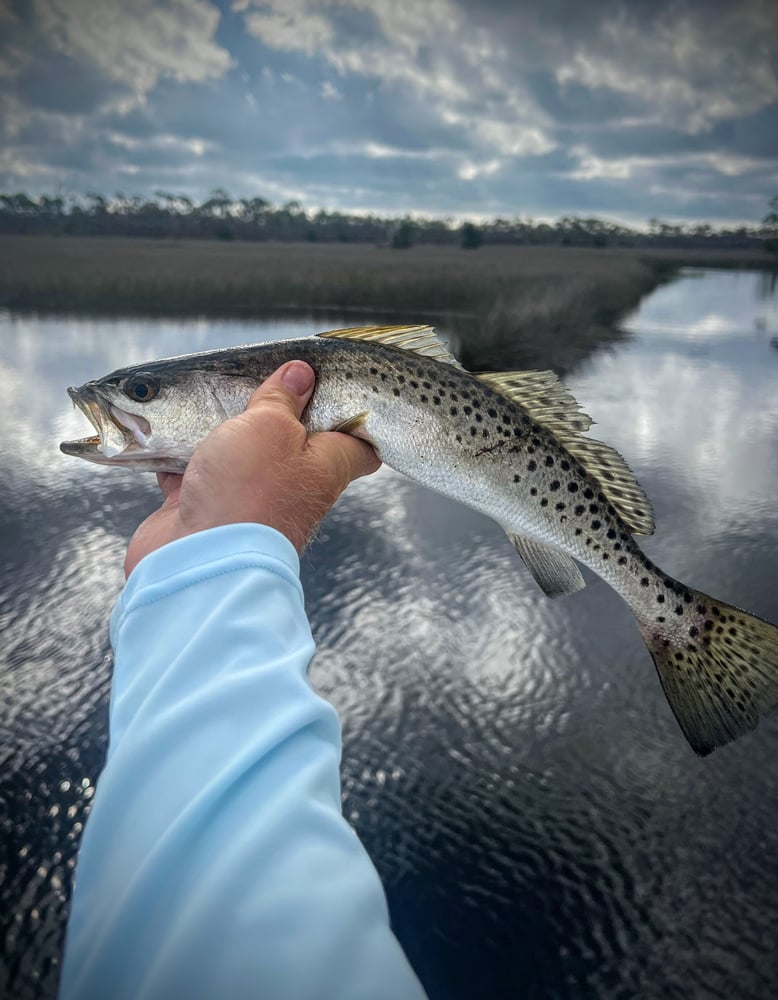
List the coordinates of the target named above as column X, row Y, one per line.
column 510, row 762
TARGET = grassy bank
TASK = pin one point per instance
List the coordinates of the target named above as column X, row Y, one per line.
column 526, row 305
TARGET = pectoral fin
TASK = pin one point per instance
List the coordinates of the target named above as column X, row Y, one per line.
column 555, row 572
column 351, row 424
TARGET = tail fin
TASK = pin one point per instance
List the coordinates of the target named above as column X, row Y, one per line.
column 718, row 666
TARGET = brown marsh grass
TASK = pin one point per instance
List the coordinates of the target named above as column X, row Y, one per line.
column 524, row 306
column 530, row 305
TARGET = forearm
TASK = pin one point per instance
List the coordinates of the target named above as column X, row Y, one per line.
column 216, row 862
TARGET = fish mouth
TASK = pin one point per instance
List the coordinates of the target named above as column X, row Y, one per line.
column 120, row 437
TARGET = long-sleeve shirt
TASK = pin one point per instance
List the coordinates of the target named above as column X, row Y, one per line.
column 216, row 862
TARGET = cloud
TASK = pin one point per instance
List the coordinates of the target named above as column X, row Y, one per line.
column 134, row 42
column 625, row 109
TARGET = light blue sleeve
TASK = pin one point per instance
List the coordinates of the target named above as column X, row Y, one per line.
column 216, row 862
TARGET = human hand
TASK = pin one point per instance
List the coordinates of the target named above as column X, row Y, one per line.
column 259, row 466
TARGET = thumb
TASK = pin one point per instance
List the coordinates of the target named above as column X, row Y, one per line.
column 289, row 388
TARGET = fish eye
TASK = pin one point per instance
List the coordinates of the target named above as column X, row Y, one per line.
column 141, row 387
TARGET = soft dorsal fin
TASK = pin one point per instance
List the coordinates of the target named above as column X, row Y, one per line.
column 543, row 396
column 418, row 339
column 548, row 402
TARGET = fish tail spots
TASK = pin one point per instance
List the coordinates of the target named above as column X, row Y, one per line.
column 718, row 666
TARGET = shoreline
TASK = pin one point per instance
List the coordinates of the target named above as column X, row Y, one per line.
column 504, row 306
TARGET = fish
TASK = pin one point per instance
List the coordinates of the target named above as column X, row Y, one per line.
column 511, row 445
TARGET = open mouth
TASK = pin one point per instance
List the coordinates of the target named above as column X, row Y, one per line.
column 119, row 433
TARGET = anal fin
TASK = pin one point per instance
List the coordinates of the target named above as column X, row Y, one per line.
column 555, row 572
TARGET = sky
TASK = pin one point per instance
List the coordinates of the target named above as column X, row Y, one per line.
column 622, row 109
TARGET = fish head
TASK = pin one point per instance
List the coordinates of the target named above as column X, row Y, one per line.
column 151, row 418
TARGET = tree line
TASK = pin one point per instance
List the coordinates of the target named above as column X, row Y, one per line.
column 220, row 216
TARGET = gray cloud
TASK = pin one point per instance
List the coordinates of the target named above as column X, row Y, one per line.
column 625, row 109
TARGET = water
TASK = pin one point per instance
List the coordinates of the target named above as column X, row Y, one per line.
column 540, row 825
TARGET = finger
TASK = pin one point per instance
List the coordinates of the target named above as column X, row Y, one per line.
column 347, row 457
column 169, row 483
column 290, row 387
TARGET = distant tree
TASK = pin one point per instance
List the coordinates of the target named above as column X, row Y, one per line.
column 471, row 237
column 770, row 226
column 218, row 204
column 404, row 235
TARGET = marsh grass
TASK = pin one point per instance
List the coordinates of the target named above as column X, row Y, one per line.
column 523, row 305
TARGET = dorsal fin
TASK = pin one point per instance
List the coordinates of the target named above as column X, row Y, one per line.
column 543, row 396
column 548, row 402
column 418, row 339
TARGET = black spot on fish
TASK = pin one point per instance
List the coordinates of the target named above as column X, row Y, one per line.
column 644, row 581
column 454, row 397
column 467, row 410
column 660, row 619
column 611, row 533
column 532, row 465
column 589, row 494
column 478, row 417
column 596, row 525
column 401, row 379
column 578, row 531
column 427, row 385
column 517, row 478
column 617, row 546
column 693, row 631
column 554, row 486
column 373, row 371
column 660, row 598
column 622, row 560
column 492, row 412
column 560, row 506
column 579, row 509
column 459, row 438
column 436, row 400
column 544, row 502
column 452, row 410
column 414, row 384
column 678, row 609
column 383, row 376
column 572, row 487
column 593, row 508
column 549, row 461
column 473, row 432
column 396, row 391
column 533, row 491
column 565, row 465
column 423, row 398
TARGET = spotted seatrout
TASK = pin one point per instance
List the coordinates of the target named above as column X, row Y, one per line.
column 510, row 445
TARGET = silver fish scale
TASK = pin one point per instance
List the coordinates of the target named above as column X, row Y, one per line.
column 442, row 427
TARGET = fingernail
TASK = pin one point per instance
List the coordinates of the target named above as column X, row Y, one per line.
column 298, row 376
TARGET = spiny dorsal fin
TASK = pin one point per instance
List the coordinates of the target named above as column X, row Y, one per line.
column 548, row 402
column 555, row 572
column 419, row 339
